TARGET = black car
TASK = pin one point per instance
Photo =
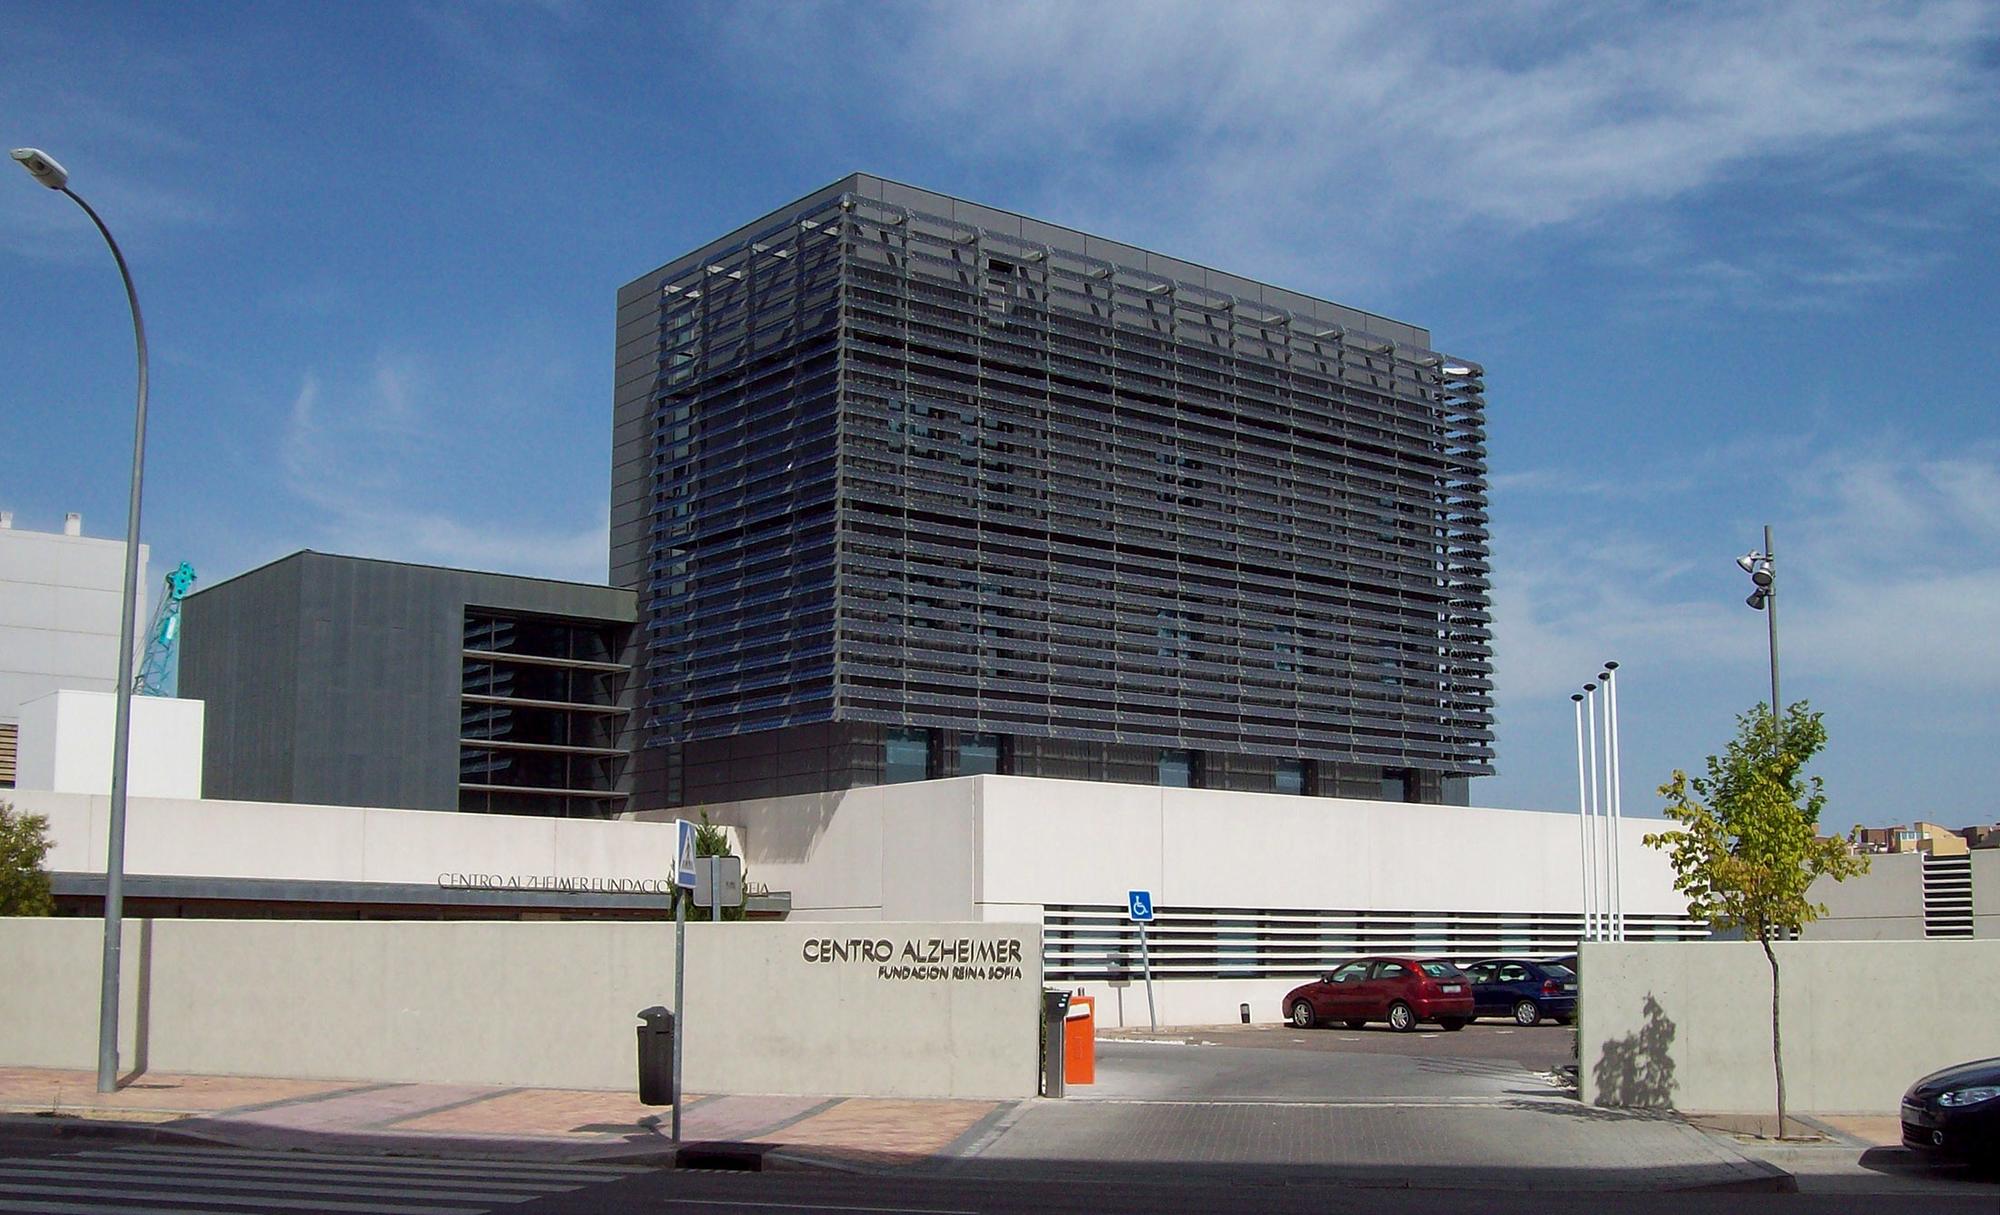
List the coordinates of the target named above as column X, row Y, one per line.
column 1956, row 1113
column 1530, row 992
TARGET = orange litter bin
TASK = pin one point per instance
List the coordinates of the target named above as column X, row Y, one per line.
column 1080, row 1041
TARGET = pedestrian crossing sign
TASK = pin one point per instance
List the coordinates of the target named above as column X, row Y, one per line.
column 684, row 875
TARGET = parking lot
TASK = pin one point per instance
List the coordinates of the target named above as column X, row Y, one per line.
column 1277, row 1063
column 1542, row 1048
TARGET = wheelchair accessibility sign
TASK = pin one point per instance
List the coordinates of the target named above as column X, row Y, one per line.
column 1139, row 906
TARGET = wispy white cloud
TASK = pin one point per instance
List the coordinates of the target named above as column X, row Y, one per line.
column 1889, row 565
column 364, row 456
column 1358, row 139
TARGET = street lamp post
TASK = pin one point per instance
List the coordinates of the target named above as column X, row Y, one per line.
column 45, row 170
column 1763, row 570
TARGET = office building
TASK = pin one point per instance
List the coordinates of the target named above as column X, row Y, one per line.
column 910, row 487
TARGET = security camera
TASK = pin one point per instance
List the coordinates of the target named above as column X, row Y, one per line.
column 43, row 166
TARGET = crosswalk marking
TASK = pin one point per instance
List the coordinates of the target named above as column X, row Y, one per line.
column 252, row 1155
column 295, row 1182
column 155, row 1180
column 98, row 1163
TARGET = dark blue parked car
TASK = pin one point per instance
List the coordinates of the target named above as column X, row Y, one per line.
column 1529, row 992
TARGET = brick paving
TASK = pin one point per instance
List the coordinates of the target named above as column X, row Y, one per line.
column 40, row 1090
column 540, row 1123
column 885, row 1132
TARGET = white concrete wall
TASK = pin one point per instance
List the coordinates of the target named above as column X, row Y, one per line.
column 66, row 745
column 543, row 1004
column 1081, row 842
column 59, row 608
column 1001, row 847
column 342, row 843
column 1884, row 904
column 1688, row 1025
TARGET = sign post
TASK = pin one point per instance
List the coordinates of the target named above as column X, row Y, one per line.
column 684, row 875
column 718, row 884
column 1139, row 906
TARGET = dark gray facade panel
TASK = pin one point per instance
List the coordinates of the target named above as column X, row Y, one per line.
column 339, row 680
column 240, row 656
column 910, row 469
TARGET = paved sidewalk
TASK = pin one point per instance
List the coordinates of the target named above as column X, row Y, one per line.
column 1549, row 1145
column 1848, row 1154
column 514, row 1123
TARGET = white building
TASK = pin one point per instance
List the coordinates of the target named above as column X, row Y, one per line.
column 1254, row 892
column 59, row 609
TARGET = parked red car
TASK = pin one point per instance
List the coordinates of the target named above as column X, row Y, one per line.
column 1401, row 991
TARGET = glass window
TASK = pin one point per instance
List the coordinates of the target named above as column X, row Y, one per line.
column 1400, row 785
column 1291, row 776
column 1391, row 970
column 1439, row 969
column 906, row 755
column 978, row 754
column 1513, row 973
column 1177, row 769
column 1353, row 972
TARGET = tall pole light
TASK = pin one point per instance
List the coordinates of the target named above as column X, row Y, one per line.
column 1763, row 570
column 1582, row 816
column 45, row 170
column 1596, row 811
column 1611, row 774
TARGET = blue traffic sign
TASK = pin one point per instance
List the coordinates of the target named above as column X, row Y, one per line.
column 684, row 875
column 1139, row 906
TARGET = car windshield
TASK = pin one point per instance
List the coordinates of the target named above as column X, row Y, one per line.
column 1439, row 970
column 1558, row 970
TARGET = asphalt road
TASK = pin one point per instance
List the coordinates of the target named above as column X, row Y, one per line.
column 1540, row 1049
column 1174, row 1193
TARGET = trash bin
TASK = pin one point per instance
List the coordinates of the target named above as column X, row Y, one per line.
column 1055, row 1012
column 1080, row 1041
column 656, row 1056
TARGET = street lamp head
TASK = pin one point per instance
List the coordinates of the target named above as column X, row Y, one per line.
column 1748, row 561
column 1610, row 666
column 43, row 166
column 1762, row 577
column 1756, row 599
column 1576, row 696
column 1590, row 687
column 1604, row 677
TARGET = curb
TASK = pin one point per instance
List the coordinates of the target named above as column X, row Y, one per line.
column 64, row 1126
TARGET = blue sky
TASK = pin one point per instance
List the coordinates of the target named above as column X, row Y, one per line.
column 1725, row 265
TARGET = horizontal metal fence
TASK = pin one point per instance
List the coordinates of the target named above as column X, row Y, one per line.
column 1098, row 941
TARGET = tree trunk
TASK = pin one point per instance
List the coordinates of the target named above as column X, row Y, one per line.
column 1777, row 1041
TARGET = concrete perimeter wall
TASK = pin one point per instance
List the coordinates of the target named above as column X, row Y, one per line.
column 1688, row 1025
column 772, row 1008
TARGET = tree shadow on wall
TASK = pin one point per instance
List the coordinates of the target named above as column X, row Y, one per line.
column 1637, row 1070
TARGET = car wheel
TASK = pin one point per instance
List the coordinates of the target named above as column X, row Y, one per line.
column 1401, row 1019
column 1302, row 1015
column 1357, row 1025
column 1527, row 1012
column 1452, row 1023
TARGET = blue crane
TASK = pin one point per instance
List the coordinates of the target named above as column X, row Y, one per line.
column 157, row 671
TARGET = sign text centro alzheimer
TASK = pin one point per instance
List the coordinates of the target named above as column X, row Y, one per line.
column 556, row 882
column 928, row 958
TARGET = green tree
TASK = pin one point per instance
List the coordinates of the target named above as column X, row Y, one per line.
column 24, row 886
column 1749, row 846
